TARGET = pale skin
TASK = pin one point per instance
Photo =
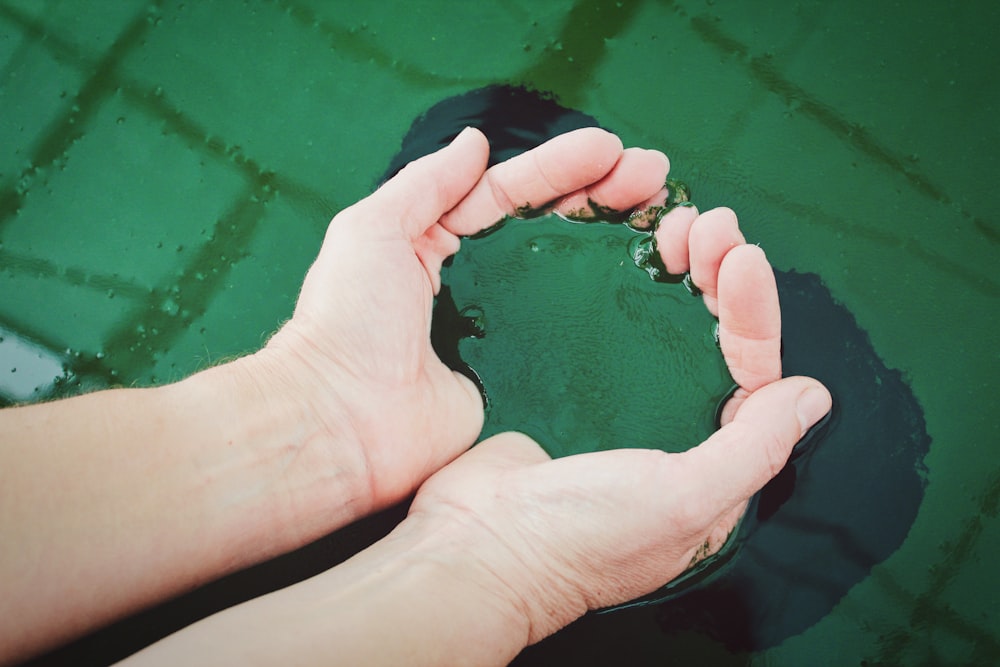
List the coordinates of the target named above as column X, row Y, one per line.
column 113, row 501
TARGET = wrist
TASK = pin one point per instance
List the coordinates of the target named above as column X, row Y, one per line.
column 412, row 598
column 276, row 476
column 492, row 566
column 421, row 596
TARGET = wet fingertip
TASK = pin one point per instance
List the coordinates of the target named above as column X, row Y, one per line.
column 812, row 435
column 610, row 140
column 812, row 405
column 663, row 158
column 467, row 132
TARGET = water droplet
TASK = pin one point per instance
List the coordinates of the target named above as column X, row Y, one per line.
column 120, row 120
column 474, row 320
column 534, row 247
column 170, row 307
column 99, row 356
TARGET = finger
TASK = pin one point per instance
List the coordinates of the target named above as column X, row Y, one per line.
column 427, row 188
column 713, row 234
column 638, row 176
column 436, row 244
column 749, row 318
column 536, row 178
column 732, row 405
column 672, row 238
column 741, row 457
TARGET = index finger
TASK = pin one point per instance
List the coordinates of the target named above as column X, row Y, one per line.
column 536, row 178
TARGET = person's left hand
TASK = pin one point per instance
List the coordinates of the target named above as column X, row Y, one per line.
column 357, row 350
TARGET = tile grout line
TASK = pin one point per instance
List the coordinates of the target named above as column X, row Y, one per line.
column 764, row 72
column 153, row 102
column 67, row 129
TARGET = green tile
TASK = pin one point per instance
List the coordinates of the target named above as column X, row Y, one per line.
column 93, row 27
column 257, row 295
column 126, row 198
column 921, row 85
column 35, row 90
column 281, row 94
column 65, row 316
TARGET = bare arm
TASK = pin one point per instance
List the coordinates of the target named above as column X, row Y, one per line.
column 114, row 500
column 503, row 546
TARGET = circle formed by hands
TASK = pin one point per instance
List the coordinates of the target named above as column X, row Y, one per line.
column 562, row 536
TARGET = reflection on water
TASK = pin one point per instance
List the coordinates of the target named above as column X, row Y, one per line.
column 28, row 371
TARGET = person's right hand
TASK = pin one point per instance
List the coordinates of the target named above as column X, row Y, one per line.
column 555, row 538
column 552, row 539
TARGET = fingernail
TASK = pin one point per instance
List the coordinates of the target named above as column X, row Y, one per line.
column 662, row 156
column 811, row 406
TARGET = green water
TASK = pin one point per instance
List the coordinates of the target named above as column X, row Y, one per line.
column 578, row 347
column 167, row 170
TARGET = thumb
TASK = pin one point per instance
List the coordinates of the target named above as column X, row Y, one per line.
column 505, row 451
column 741, row 457
column 427, row 188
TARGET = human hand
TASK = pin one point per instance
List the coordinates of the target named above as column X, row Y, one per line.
column 552, row 539
column 738, row 287
column 589, row 531
column 357, row 350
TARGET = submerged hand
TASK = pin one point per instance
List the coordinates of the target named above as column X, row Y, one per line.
column 588, row 531
column 358, row 349
column 555, row 538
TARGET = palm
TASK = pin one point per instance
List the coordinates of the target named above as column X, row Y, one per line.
column 607, row 527
column 362, row 323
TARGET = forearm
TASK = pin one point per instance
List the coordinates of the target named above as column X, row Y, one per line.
column 115, row 500
column 415, row 598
